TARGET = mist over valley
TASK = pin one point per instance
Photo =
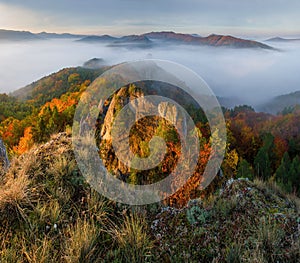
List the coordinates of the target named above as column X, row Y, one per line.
column 236, row 75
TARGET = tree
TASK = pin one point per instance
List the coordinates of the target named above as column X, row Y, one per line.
column 294, row 175
column 265, row 157
column 282, row 172
column 245, row 170
column 26, row 142
column 229, row 166
column 262, row 164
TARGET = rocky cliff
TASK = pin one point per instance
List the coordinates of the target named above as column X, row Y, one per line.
column 166, row 116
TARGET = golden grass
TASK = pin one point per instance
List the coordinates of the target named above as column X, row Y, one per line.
column 40, row 251
column 14, row 191
column 82, row 243
column 132, row 239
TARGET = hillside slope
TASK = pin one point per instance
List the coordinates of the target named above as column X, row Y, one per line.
column 56, row 84
column 282, row 102
column 49, row 214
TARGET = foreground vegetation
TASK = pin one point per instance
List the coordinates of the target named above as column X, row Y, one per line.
column 49, row 214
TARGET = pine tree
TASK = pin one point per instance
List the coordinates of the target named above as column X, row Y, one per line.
column 283, row 170
column 294, row 174
column 265, row 157
column 262, row 164
column 245, row 170
column 282, row 173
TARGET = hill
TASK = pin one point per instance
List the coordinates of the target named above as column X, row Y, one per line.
column 127, row 41
column 143, row 40
column 167, row 37
column 281, row 103
column 47, row 35
column 95, row 63
column 10, row 35
column 13, row 35
column 56, row 84
column 95, row 39
column 211, row 40
column 49, row 214
column 280, row 39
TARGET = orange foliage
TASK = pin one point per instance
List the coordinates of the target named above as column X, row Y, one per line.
column 63, row 103
column 191, row 189
column 25, row 143
column 280, row 147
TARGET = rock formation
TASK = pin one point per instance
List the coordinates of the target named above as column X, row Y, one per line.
column 4, row 162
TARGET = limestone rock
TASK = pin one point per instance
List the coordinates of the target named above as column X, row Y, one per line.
column 4, row 161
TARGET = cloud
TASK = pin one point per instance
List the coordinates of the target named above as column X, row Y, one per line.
column 197, row 15
column 253, row 76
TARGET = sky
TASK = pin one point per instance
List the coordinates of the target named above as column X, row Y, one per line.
column 119, row 17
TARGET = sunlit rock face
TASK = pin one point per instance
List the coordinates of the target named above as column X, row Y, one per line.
column 138, row 100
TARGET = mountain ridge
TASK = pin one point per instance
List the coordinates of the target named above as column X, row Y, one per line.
column 281, row 39
column 146, row 39
column 281, row 103
column 211, row 40
column 11, row 35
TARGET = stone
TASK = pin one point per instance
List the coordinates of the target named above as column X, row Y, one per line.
column 4, row 161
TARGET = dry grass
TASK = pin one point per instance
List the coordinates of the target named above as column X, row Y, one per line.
column 49, row 214
column 270, row 237
column 133, row 241
column 269, row 187
column 40, row 251
column 295, row 200
column 14, row 191
column 82, row 243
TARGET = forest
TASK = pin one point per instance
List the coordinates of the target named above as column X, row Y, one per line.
column 258, row 144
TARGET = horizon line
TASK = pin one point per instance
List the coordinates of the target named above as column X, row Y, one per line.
column 97, row 33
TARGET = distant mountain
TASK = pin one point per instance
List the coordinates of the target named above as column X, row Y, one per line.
column 144, row 40
column 211, row 40
column 95, row 63
column 95, row 39
column 230, row 102
column 170, row 37
column 195, row 35
column 279, row 103
column 280, row 39
column 139, row 41
column 56, row 36
column 230, row 41
column 134, row 39
column 10, row 35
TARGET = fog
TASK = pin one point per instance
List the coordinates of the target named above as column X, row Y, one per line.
column 249, row 76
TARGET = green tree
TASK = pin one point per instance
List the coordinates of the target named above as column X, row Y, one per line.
column 262, row 164
column 294, row 175
column 283, row 170
column 245, row 170
column 265, row 157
